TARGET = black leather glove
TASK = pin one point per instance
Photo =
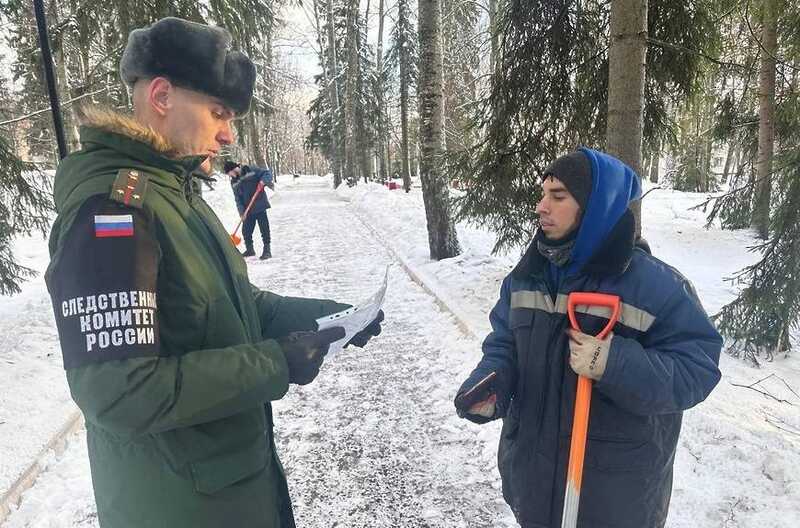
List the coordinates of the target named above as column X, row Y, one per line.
column 305, row 352
column 373, row 329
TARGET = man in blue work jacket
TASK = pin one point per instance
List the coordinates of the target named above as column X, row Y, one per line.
column 660, row 359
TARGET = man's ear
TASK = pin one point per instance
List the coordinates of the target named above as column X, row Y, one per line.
column 159, row 94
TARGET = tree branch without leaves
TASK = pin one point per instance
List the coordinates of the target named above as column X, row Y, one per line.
column 33, row 114
column 752, row 386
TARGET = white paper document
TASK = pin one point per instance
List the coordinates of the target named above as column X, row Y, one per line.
column 355, row 318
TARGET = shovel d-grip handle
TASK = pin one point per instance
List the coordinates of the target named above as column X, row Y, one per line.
column 583, row 400
column 611, row 302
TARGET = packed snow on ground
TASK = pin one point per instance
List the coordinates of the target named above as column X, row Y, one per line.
column 34, row 397
column 374, row 441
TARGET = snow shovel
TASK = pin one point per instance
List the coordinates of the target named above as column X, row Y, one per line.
column 583, row 399
column 236, row 239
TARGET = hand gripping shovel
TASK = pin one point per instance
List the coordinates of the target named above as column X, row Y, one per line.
column 583, row 399
column 236, row 239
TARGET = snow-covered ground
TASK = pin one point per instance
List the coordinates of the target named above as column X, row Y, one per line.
column 34, row 397
column 374, row 442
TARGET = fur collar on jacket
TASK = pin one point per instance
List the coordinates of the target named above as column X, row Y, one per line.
column 126, row 125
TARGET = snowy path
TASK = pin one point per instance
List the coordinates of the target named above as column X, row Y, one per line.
column 373, row 442
column 34, row 397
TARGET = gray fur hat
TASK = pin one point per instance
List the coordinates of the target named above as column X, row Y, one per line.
column 193, row 56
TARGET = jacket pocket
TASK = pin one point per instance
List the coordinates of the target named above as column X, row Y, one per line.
column 520, row 323
column 608, row 420
column 618, row 455
column 219, row 472
column 520, row 317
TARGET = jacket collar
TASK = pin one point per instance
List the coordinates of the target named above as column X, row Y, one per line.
column 612, row 257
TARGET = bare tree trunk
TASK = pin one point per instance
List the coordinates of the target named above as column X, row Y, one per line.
column 654, row 169
column 350, row 92
column 257, row 152
column 699, row 153
column 62, row 80
column 730, row 157
column 766, row 120
column 402, row 7
column 381, row 142
column 442, row 237
column 333, row 94
column 654, row 163
column 362, row 135
column 626, row 71
column 493, row 15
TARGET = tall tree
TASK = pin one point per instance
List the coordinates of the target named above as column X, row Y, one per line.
column 403, row 57
column 626, row 74
column 766, row 113
column 24, row 199
column 758, row 323
column 351, row 80
column 338, row 146
column 325, row 110
column 380, row 81
column 461, row 52
column 442, row 237
column 342, row 115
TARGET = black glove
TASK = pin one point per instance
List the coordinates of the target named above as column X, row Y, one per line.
column 373, row 329
column 305, row 352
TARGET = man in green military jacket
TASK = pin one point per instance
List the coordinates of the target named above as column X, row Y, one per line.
column 170, row 352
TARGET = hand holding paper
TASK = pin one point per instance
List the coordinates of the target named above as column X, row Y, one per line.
column 360, row 322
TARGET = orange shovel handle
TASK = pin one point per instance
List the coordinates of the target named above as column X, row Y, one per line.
column 583, row 401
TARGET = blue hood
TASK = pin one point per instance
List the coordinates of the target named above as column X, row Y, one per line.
column 614, row 187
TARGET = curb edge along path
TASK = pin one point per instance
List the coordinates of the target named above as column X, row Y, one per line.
column 57, row 445
column 418, row 277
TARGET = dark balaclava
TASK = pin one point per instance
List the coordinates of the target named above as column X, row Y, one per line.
column 575, row 171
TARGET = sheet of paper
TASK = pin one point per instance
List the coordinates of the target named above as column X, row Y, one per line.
column 355, row 318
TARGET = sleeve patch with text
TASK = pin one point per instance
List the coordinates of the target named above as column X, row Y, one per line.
column 104, row 285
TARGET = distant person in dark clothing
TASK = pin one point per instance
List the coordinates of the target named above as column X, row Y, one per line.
column 245, row 184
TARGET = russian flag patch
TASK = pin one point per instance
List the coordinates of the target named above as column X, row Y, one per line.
column 106, row 226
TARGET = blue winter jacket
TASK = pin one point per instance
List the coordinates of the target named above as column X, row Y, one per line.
column 246, row 185
column 663, row 359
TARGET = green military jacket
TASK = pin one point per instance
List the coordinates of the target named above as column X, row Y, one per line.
column 169, row 351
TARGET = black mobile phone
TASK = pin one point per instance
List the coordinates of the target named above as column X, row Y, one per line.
column 477, row 393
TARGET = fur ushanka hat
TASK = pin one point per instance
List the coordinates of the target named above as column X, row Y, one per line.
column 193, row 56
